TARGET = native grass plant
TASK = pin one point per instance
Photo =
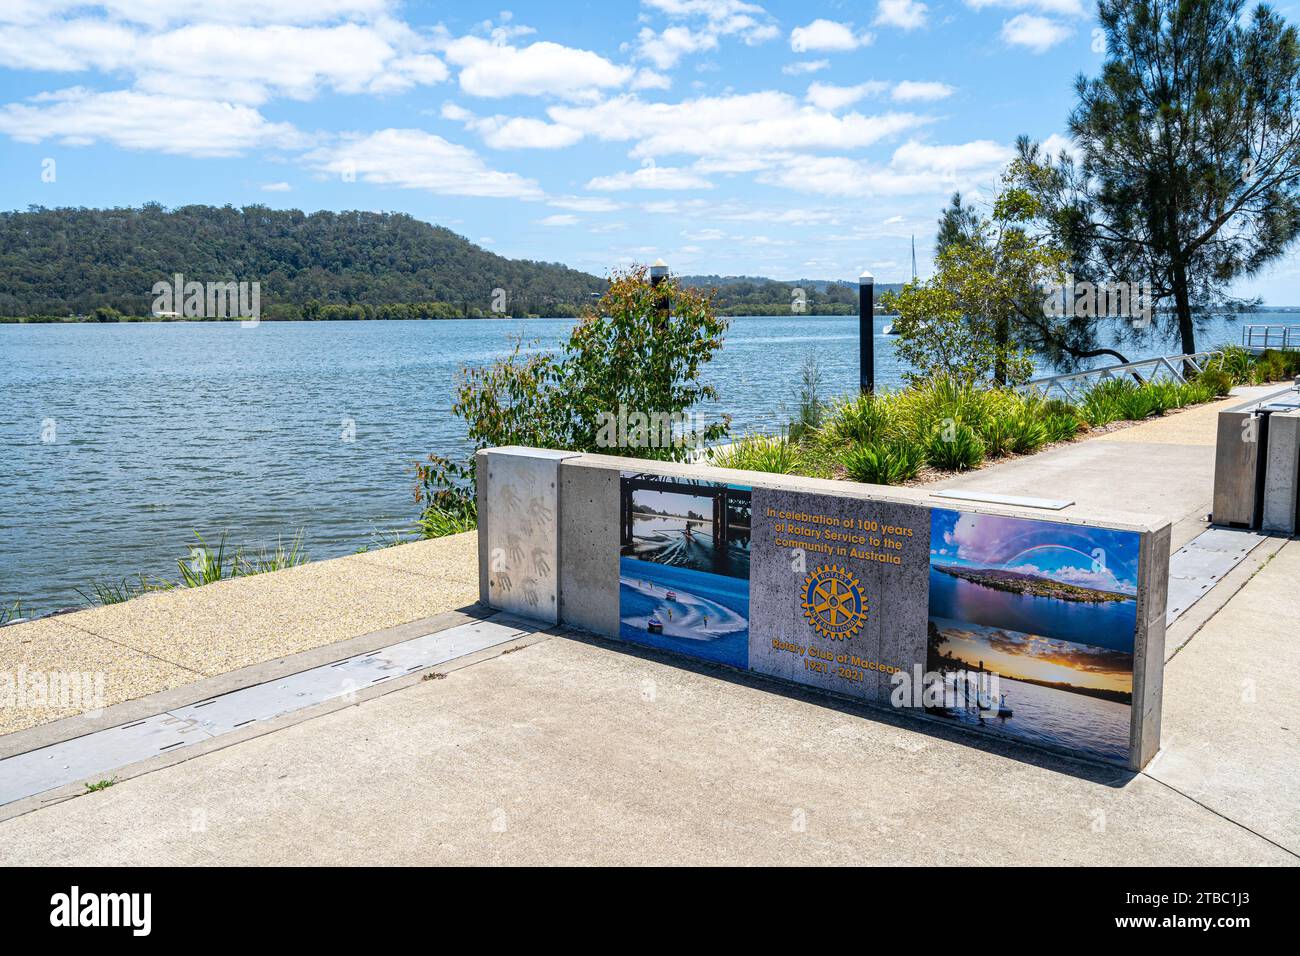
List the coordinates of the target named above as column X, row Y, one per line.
column 1117, row 399
column 770, row 453
column 811, row 409
column 625, row 382
column 1244, row 367
column 119, row 592
column 10, row 613
column 1235, row 361
column 203, row 565
column 1273, row 365
column 888, row 462
column 1218, row 381
column 950, row 424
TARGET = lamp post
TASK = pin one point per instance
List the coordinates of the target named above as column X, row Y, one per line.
column 867, row 332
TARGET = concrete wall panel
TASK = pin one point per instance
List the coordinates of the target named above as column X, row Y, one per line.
column 589, row 501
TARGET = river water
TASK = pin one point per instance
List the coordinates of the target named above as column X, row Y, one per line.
column 121, row 441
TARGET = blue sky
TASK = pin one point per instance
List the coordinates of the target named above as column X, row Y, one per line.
column 791, row 140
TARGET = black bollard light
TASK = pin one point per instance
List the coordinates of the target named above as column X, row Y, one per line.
column 867, row 332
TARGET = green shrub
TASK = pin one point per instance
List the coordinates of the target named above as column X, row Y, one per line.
column 1061, row 420
column 998, row 436
column 1163, row 396
column 1062, row 426
column 884, row 463
column 861, row 420
column 778, row 455
column 1105, row 402
column 1236, row 361
column 1275, row 366
column 1218, row 381
column 1196, row 392
column 1141, row 402
column 437, row 521
column 1028, row 433
column 943, row 400
column 955, row 446
column 995, row 417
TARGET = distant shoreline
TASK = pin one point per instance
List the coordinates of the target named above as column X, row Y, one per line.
column 776, row 311
column 149, row 320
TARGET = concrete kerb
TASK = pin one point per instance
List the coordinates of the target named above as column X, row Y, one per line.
column 69, row 728
column 586, row 518
column 159, row 703
column 1178, row 634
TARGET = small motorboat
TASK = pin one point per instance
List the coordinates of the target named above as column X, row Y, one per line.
column 888, row 330
column 670, row 596
column 654, row 625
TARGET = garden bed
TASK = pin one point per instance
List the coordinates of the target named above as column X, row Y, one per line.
column 934, row 429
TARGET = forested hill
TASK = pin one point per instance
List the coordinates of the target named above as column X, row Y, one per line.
column 755, row 295
column 61, row 261
column 323, row 265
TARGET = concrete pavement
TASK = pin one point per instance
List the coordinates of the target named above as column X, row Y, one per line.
column 568, row 751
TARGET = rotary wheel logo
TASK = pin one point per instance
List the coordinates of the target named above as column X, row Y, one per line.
column 834, row 603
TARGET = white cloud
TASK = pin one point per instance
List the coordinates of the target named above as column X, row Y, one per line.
column 414, row 159
column 828, row 96
column 231, row 61
column 560, row 219
column 650, row 177
column 904, row 14
column 280, row 187
column 585, row 203
column 665, row 49
column 650, row 80
column 1037, row 33
column 827, row 35
column 711, row 20
column 67, row 46
column 911, row 91
column 1055, row 144
column 495, row 69
column 737, row 127
column 800, row 67
column 161, row 13
column 513, row 132
column 914, row 168
column 249, row 64
column 135, row 120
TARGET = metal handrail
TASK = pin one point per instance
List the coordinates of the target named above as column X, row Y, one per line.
column 1147, row 370
column 1288, row 336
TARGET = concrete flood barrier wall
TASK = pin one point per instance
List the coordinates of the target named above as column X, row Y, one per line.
column 1043, row 625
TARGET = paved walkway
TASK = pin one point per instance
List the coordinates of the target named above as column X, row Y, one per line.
column 567, row 751
column 173, row 638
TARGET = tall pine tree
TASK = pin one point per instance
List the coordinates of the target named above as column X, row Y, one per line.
column 1189, row 153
